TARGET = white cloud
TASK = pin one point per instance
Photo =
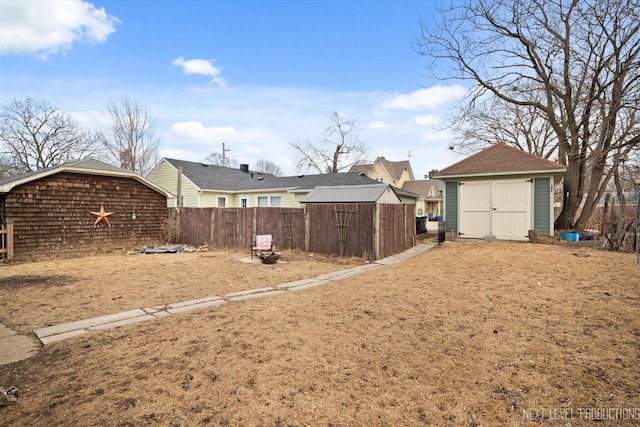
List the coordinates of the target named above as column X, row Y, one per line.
column 92, row 119
column 197, row 132
column 378, row 125
column 201, row 66
column 427, row 120
column 53, row 26
column 428, row 98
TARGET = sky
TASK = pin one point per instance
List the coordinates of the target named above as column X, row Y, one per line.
column 255, row 75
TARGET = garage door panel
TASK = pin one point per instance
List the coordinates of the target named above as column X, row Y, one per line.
column 477, row 196
column 477, row 225
column 509, row 225
column 511, row 201
column 511, row 196
column 475, row 210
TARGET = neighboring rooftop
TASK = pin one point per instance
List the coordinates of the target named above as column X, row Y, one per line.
column 500, row 158
column 212, row 177
column 422, row 187
column 394, row 169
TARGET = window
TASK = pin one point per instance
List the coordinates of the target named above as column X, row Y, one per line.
column 272, row 201
column 244, row 202
column 222, row 202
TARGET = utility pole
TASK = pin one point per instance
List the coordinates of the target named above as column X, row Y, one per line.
column 224, row 157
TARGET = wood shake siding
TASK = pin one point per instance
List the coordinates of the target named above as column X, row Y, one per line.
column 52, row 214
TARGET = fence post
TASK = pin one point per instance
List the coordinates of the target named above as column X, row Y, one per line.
column 306, row 229
column 9, row 239
column 376, row 231
column 254, row 226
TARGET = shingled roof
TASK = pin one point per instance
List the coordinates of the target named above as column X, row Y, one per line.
column 395, row 169
column 89, row 166
column 422, row 188
column 369, row 193
column 220, row 178
column 500, row 159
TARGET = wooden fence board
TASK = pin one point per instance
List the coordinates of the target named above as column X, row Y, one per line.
column 373, row 231
column 195, row 226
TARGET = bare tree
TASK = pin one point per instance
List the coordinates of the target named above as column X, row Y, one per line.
column 573, row 63
column 130, row 142
column 339, row 150
column 266, row 166
column 217, row 159
column 495, row 120
column 34, row 135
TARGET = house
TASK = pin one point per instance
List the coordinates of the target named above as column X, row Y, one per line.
column 204, row 185
column 430, row 196
column 82, row 205
column 500, row 191
column 385, row 171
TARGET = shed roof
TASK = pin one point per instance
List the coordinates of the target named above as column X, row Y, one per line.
column 500, row 159
column 89, row 166
column 220, row 178
column 369, row 193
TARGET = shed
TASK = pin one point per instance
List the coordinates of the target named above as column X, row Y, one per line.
column 500, row 191
column 80, row 206
column 358, row 220
column 368, row 193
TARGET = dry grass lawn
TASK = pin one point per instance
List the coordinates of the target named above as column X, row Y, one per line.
column 466, row 334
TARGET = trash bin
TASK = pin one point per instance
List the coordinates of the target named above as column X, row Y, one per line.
column 441, row 231
column 421, row 225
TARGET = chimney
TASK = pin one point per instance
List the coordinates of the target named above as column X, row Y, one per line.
column 244, row 167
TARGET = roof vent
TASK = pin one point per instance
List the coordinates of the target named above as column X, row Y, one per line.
column 244, row 167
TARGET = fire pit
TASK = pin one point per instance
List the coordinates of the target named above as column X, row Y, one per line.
column 269, row 257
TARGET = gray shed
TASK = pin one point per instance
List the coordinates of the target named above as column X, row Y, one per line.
column 369, row 193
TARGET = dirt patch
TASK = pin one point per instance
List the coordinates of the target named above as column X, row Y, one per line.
column 22, row 281
column 468, row 333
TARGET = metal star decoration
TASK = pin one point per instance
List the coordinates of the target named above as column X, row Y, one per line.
column 102, row 216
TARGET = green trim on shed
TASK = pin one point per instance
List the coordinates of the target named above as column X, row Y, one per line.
column 451, row 206
column 542, row 196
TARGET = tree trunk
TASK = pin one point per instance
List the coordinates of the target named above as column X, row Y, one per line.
column 572, row 196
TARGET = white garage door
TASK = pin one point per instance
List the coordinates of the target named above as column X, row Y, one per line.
column 475, row 209
column 501, row 208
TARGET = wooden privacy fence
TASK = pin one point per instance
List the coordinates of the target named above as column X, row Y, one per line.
column 347, row 229
column 233, row 227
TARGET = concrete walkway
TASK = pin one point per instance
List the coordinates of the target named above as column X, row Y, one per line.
column 15, row 347
column 11, row 352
